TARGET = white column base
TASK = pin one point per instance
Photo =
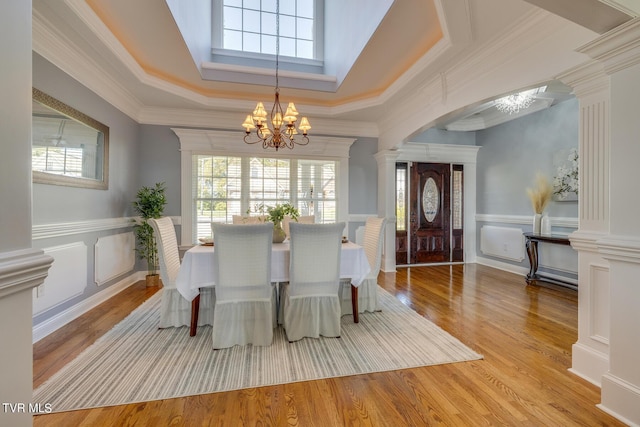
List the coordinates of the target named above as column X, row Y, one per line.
column 620, row 397
column 588, row 363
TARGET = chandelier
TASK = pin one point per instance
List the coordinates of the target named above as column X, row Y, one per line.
column 512, row 104
column 280, row 129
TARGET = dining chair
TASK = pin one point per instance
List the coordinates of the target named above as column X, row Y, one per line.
column 245, row 307
column 368, row 289
column 311, row 300
column 306, row 219
column 175, row 310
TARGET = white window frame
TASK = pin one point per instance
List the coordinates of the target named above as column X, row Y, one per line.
column 318, row 41
column 230, row 143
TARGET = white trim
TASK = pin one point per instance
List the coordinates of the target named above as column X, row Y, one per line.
column 54, row 323
column 23, row 269
column 556, row 221
column 511, row 268
column 60, row 229
column 230, row 143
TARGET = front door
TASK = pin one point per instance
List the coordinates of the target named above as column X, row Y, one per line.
column 430, row 213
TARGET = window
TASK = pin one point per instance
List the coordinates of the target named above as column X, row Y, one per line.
column 58, row 160
column 224, row 186
column 250, row 26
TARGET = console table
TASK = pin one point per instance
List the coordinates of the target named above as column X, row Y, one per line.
column 531, row 243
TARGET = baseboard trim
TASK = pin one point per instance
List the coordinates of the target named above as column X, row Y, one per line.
column 520, row 271
column 54, row 323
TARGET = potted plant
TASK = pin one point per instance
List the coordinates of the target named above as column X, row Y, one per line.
column 149, row 204
column 276, row 214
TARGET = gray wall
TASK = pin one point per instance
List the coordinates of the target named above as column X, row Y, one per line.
column 53, row 204
column 510, row 156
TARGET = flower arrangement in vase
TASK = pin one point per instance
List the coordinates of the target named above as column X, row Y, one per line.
column 539, row 196
column 276, row 214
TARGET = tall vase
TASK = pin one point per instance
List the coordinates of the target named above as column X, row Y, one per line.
column 545, row 225
column 537, row 219
column 278, row 233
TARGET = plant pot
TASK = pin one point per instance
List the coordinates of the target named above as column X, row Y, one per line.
column 278, row 234
column 152, row 279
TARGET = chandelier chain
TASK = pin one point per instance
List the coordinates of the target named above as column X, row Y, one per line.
column 277, row 130
column 277, row 42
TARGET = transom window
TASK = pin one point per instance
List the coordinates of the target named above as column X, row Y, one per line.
column 226, row 186
column 250, row 26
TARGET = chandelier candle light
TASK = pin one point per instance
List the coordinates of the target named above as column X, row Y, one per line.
column 283, row 130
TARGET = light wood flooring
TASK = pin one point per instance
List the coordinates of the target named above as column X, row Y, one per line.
column 524, row 332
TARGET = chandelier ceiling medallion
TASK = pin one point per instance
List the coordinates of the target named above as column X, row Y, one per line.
column 512, row 104
column 280, row 130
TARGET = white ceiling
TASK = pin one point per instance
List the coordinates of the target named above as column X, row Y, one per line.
column 428, row 63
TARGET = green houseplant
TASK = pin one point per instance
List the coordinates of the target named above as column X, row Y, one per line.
column 149, row 204
column 276, row 214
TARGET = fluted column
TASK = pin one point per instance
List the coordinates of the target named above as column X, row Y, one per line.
column 591, row 352
column 608, row 239
column 387, row 205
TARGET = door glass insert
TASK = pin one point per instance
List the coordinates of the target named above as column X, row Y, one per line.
column 430, row 199
column 401, row 191
column 457, row 199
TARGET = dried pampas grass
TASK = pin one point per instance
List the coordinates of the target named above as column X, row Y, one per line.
column 541, row 194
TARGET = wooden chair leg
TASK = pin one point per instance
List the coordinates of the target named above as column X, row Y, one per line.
column 195, row 309
column 354, row 303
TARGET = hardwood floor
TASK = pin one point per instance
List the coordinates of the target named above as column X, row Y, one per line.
column 524, row 332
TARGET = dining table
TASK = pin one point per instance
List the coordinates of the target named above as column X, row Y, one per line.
column 197, row 269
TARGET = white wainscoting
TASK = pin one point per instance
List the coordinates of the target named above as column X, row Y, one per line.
column 502, row 242
column 67, row 276
column 114, row 256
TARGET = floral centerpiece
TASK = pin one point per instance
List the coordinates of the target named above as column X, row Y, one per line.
column 566, row 181
column 539, row 196
column 276, row 214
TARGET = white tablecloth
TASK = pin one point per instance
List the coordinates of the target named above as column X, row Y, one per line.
column 196, row 270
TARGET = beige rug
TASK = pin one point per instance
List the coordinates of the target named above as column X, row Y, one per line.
column 136, row 361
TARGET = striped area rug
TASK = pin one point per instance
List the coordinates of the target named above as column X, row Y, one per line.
column 136, row 361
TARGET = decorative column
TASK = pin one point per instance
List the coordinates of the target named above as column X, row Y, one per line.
column 387, row 205
column 21, row 267
column 591, row 352
column 612, row 198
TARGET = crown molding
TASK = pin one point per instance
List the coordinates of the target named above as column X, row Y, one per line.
column 231, row 143
column 228, row 120
column 617, row 49
column 64, row 54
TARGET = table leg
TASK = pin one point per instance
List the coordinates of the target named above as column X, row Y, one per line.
column 532, row 252
column 354, row 303
column 195, row 309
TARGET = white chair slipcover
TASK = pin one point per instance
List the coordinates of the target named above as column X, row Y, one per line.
column 311, row 300
column 245, row 310
column 308, row 219
column 368, row 290
column 175, row 310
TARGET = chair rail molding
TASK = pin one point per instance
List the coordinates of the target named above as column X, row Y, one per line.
column 60, row 229
column 22, row 269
